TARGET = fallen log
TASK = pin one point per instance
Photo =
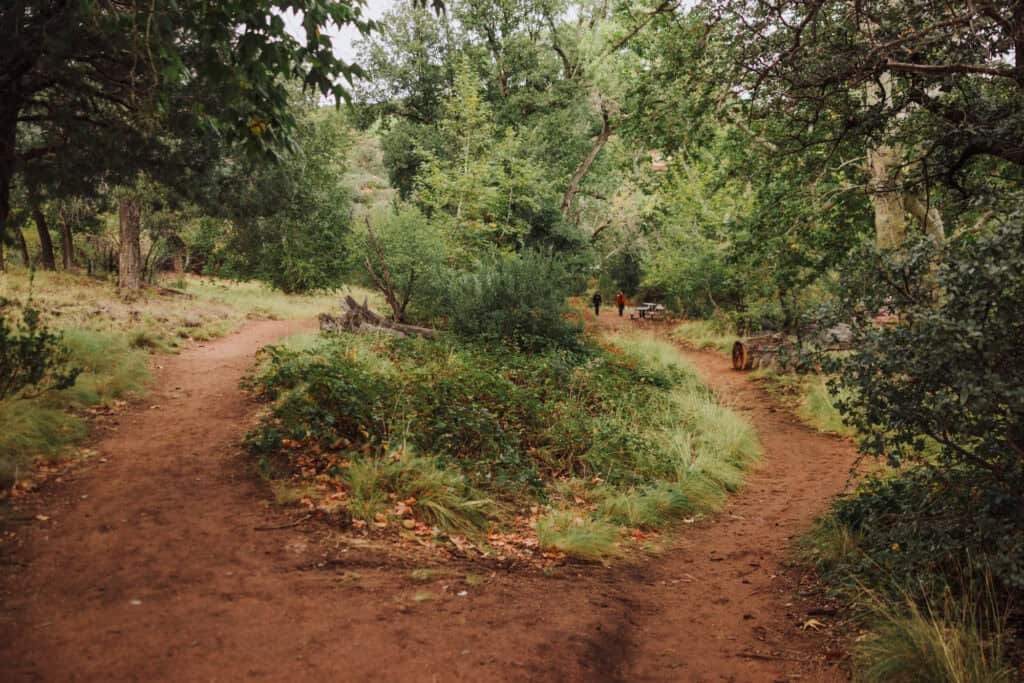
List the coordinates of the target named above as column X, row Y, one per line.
column 356, row 317
column 756, row 352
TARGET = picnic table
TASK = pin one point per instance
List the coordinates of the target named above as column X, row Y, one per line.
column 651, row 311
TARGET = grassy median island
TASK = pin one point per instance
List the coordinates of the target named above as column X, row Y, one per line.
column 565, row 450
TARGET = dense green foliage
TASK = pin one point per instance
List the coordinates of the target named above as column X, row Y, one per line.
column 404, row 256
column 517, row 426
column 935, row 393
column 519, row 299
column 289, row 221
column 98, row 92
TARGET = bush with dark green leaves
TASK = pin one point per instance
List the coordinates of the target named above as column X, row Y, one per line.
column 941, row 393
column 507, row 419
column 33, row 359
column 517, row 298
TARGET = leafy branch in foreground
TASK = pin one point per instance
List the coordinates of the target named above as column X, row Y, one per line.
column 33, row 359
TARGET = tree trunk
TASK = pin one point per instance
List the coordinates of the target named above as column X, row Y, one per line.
column 67, row 244
column 22, row 246
column 887, row 199
column 3, row 266
column 129, row 266
column 927, row 215
column 577, row 177
column 47, row 261
column 883, row 168
column 8, row 140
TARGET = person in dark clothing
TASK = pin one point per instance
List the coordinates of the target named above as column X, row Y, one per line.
column 597, row 303
column 620, row 301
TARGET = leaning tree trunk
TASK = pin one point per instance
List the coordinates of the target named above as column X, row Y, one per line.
column 8, row 145
column 129, row 266
column 884, row 163
column 581, row 171
column 886, row 198
column 47, row 261
column 67, row 243
column 22, row 246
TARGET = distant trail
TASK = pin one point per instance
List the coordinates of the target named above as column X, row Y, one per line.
column 149, row 568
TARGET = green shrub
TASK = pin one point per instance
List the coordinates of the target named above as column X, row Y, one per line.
column 921, row 526
column 33, row 359
column 328, row 396
column 937, row 391
column 517, row 298
column 402, row 255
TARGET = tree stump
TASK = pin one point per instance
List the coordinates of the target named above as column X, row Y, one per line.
column 356, row 317
column 756, row 352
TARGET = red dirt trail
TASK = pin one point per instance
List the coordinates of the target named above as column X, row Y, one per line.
column 150, row 567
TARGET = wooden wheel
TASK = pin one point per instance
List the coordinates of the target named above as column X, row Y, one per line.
column 740, row 357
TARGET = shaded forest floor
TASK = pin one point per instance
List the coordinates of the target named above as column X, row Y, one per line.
column 156, row 561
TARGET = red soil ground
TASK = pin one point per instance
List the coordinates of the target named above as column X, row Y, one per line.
column 150, row 567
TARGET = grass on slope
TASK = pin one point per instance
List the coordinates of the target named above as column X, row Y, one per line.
column 704, row 334
column 110, row 338
column 47, row 425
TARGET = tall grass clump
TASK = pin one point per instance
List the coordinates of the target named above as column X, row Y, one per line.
column 577, row 535
column 38, row 418
column 649, row 508
column 948, row 639
column 440, row 496
column 818, row 407
column 32, row 430
column 110, row 367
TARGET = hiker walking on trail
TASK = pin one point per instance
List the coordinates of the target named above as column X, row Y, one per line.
column 597, row 303
column 620, row 301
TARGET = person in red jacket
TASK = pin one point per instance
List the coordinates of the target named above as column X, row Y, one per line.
column 620, row 301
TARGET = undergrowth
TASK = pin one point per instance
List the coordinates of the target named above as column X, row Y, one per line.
column 938, row 638
column 935, row 598
column 473, row 436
